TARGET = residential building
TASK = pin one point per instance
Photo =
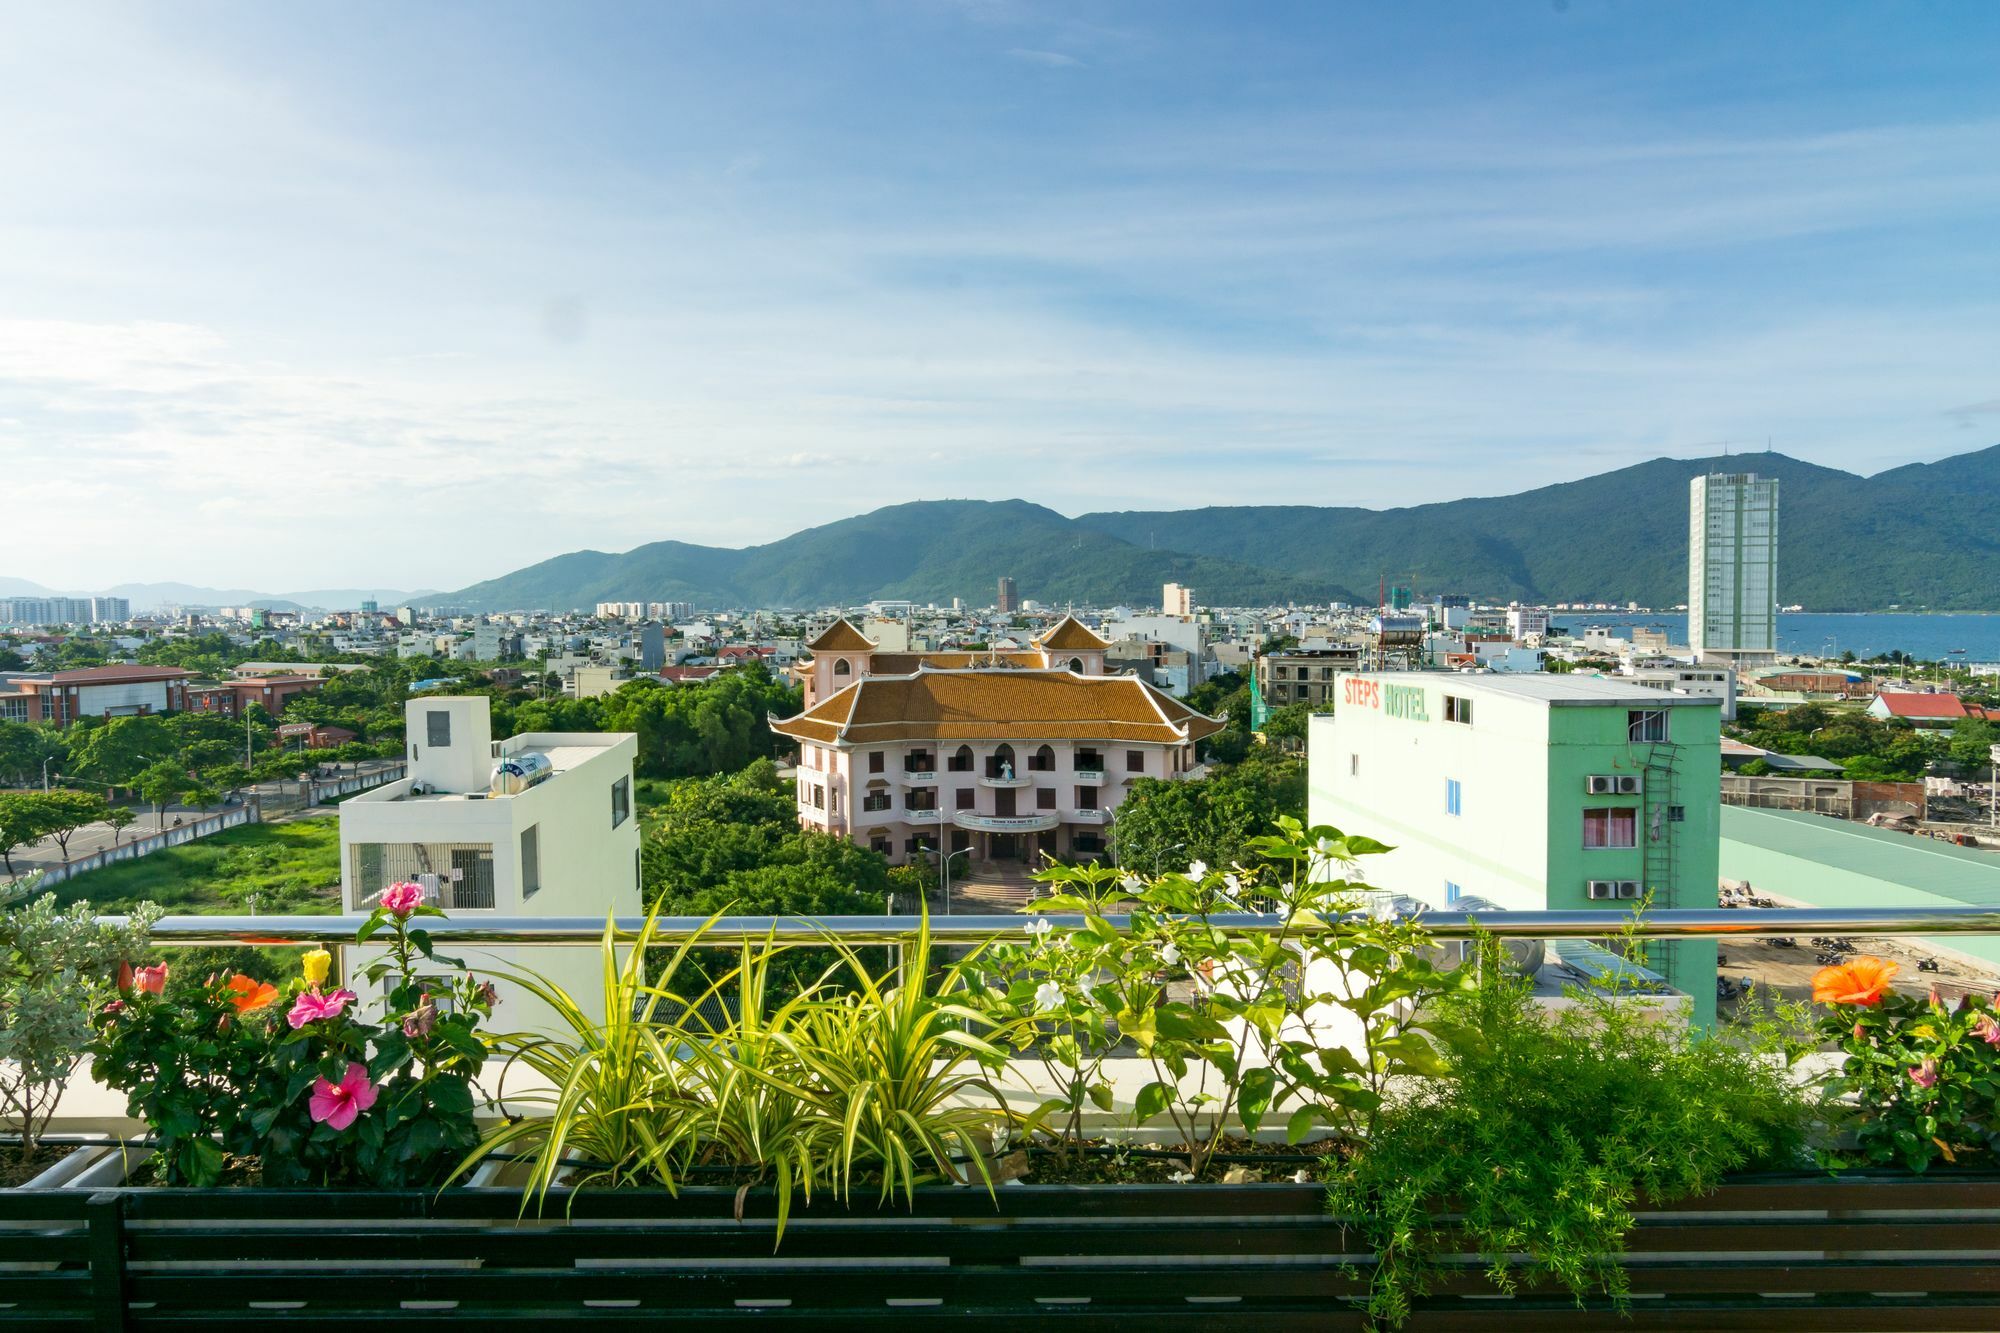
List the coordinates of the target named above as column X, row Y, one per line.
column 1713, row 681
column 231, row 698
column 1919, row 710
column 1176, row 600
column 1733, row 568
column 1531, row 792
column 648, row 645
column 540, row 824
column 1304, row 675
column 1017, row 757
column 1170, row 632
column 64, row 610
column 1010, row 597
column 62, row 697
column 1523, row 621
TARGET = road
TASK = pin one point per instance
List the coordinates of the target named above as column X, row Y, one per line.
column 96, row 837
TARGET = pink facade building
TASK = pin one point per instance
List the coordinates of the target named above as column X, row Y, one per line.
column 1016, row 756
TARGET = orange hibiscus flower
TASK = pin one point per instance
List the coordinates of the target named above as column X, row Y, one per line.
column 249, row 993
column 1864, row 981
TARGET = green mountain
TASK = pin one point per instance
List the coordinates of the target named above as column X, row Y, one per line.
column 928, row 551
column 1917, row 536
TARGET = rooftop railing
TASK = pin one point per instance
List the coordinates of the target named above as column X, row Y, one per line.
column 1666, row 923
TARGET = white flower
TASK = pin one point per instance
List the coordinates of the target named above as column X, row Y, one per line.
column 1170, row 955
column 1039, row 928
column 1181, row 1177
column 1196, row 869
column 1131, row 883
column 1326, row 846
column 1048, row 996
column 1301, row 1177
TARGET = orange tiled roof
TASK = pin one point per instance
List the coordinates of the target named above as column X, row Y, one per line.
column 999, row 705
column 1070, row 634
column 842, row 637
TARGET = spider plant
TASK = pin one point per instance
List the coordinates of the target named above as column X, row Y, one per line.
column 621, row 1103
column 884, row 1066
column 759, row 1115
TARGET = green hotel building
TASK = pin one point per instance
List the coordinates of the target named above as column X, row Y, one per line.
column 1531, row 791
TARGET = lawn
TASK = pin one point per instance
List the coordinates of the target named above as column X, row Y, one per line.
column 291, row 867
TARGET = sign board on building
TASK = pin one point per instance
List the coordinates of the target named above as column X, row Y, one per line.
column 290, row 729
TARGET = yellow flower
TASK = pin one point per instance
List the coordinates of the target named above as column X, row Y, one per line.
column 315, row 965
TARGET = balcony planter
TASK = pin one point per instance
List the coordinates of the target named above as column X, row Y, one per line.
column 1762, row 1252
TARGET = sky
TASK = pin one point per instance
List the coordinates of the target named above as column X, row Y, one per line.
column 414, row 294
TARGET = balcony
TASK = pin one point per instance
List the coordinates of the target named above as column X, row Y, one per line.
column 920, row 816
column 1018, row 780
column 919, row 778
column 1089, row 776
column 1040, row 823
column 1090, row 816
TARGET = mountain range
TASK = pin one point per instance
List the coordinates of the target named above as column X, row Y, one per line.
column 152, row 596
column 1923, row 535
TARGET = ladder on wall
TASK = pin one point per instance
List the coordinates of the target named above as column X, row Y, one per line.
column 1657, row 834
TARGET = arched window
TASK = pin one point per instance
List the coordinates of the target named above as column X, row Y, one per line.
column 1001, row 763
column 1043, row 760
column 1076, row 665
column 961, row 759
column 840, row 668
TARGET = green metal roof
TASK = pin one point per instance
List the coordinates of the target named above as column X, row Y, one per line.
column 1912, row 861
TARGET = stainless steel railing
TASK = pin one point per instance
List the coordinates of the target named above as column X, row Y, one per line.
column 1672, row 923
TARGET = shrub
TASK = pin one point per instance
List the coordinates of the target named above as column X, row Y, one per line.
column 1924, row 1076
column 295, row 1075
column 1548, row 1125
column 1256, row 1034
column 57, row 966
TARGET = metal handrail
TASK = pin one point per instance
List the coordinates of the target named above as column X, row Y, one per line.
column 1671, row 923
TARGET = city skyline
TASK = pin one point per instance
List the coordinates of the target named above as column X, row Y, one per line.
column 715, row 274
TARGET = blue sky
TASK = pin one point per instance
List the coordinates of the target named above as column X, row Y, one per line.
column 413, row 294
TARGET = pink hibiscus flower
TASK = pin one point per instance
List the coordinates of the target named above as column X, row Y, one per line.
column 311, row 1006
column 403, row 899
column 151, row 980
column 337, row 1104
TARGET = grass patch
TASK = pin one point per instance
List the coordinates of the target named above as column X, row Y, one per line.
column 290, row 868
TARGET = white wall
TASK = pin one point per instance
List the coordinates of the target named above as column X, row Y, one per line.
column 1496, row 847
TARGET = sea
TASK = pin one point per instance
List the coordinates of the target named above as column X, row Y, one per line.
column 1865, row 634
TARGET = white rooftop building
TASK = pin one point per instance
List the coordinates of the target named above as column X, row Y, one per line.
column 540, row 824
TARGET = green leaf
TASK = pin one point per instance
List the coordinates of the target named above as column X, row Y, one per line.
column 450, row 1096
column 1253, row 1096
column 1177, row 1022
column 1152, row 1100
column 1301, row 1123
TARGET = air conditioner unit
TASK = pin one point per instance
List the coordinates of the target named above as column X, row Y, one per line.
column 1629, row 888
column 1630, row 784
column 1601, row 888
column 1600, row 786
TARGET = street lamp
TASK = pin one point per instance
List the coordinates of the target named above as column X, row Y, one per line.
column 45, row 773
column 944, row 871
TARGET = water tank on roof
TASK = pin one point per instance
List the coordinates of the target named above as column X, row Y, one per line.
column 1397, row 629
column 518, row 772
